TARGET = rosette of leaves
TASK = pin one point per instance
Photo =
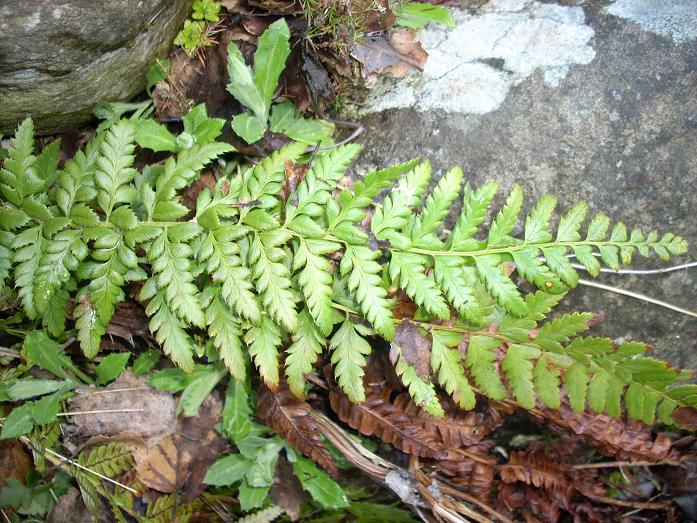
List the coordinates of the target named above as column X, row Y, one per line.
column 287, row 275
column 255, row 87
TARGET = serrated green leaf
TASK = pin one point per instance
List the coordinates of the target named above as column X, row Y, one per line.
column 422, row 392
column 480, row 358
column 499, row 284
column 349, row 350
column 365, row 282
column 307, row 345
column 263, row 342
column 597, row 228
column 445, row 362
column 560, row 264
column 315, row 280
column 570, row 223
column 409, row 271
column 457, row 282
column 537, row 222
column 517, row 366
column 546, row 378
column 436, row 208
column 501, row 228
column 272, row 281
column 169, row 332
column 576, row 381
column 225, row 332
column 559, row 330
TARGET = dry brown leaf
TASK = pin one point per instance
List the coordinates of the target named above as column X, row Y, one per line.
column 405, row 43
column 624, row 439
column 377, row 416
column 190, row 193
column 256, row 25
column 70, row 507
column 129, row 320
column 154, row 419
column 180, row 461
column 14, row 461
column 290, row 418
column 415, row 346
column 287, row 492
column 458, row 428
column 294, row 174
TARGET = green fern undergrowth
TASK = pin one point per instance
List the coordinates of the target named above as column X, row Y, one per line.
column 249, row 275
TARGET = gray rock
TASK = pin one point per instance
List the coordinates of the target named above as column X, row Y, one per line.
column 57, row 59
column 618, row 131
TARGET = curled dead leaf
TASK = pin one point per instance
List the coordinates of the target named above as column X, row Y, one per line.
column 179, row 462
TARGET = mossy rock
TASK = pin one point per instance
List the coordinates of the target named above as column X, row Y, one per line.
column 57, row 59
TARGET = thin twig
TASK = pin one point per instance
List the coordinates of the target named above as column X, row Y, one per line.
column 9, row 353
column 67, row 344
column 104, row 411
column 638, row 296
column 640, row 505
column 4, row 515
column 617, row 464
column 346, row 140
column 94, row 472
column 108, row 391
column 640, row 271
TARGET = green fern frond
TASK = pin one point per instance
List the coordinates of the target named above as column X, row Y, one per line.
column 263, row 342
column 307, row 345
column 315, row 280
column 169, row 330
column 259, row 267
column 171, row 266
column 220, row 252
column 435, row 210
column 446, row 365
column 363, row 280
column 349, row 350
column 224, row 329
column 410, row 271
column 272, row 277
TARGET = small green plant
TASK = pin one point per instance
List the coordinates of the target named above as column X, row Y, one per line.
column 285, row 279
column 194, row 35
column 255, row 88
column 416, row 15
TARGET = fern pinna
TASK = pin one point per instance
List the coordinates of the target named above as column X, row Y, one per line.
column 283, row 274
